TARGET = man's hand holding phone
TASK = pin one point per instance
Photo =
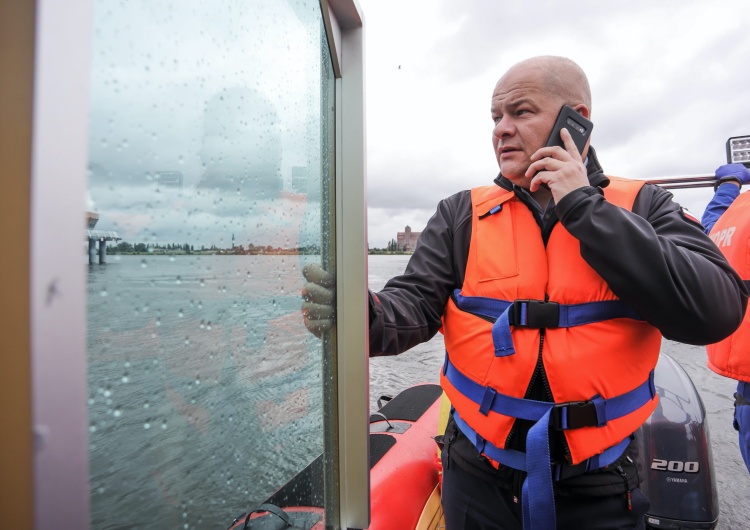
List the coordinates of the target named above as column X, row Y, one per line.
column 561, row 169
column 559, row 165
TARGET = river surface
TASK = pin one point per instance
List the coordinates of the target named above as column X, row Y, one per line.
column 204, row 385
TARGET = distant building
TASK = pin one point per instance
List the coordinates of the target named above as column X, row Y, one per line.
column 169, row 179
column 407, row 240
column 91, row 220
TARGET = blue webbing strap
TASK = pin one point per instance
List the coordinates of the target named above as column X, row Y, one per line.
column 569, row 315
column 517, row 459
column 538, row 499
column 537, row 494
column 743, row 389
column 489, row 399
column 479, row 305
column 501, row 337
column 507, row 457
column 580, row 314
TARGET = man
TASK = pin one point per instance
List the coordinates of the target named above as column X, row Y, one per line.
column 552, row 286
column 727, row 220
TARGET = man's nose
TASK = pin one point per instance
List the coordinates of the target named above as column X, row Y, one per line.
column 503, row 128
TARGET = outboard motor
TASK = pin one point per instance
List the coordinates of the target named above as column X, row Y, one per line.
column 675, row 454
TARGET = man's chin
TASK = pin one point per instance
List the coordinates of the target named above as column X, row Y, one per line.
column 519, row 180
column 522, row 182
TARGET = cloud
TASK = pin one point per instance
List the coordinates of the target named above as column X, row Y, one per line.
column 668, row 83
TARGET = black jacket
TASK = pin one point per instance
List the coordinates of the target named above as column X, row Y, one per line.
column 655, row 258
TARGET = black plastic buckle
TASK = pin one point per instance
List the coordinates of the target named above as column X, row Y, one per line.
column 578, row 414
column 534, row 314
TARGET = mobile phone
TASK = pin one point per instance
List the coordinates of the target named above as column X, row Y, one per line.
column 578, row 127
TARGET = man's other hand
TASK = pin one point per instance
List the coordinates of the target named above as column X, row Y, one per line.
column 732, row 172
column 318, row 299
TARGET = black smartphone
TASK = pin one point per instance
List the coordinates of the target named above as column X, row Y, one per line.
column 578, row 127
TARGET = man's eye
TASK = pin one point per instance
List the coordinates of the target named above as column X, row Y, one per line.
column 521, row 112
column 496, row 119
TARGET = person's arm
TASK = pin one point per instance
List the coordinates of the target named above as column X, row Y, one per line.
column 729, row 180
column 659, row 262
column 408, row 310
column 725, row 195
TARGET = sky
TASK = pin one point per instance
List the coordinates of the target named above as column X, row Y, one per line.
column 669, row 80
column 226, row 95
column 235, row 97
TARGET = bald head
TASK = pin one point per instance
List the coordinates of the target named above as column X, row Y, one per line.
column 525, row 103
column 560, row 76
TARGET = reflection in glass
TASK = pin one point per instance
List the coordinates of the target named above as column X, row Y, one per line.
column 209, row 147
column 241, row 150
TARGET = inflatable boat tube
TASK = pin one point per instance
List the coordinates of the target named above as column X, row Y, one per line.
column 404, row 489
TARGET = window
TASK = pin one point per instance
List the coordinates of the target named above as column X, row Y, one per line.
column 208, row 149
column 214, row 160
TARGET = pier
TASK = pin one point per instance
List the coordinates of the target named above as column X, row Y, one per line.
column 102, row 236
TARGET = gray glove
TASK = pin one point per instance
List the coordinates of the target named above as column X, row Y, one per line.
column 318, row 299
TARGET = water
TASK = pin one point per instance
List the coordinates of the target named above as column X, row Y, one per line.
column 421, row 364
column 204, row 389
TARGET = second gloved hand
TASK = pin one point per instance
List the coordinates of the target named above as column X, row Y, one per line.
column 318, row 299
column 732, row 172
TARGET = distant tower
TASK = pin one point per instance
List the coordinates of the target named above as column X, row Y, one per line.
column 407, row 239
column 232, row 240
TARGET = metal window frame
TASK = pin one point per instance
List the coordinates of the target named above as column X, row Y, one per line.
column 345, row 29
column 57, row 280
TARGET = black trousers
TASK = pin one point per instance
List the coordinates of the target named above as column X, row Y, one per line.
column 473, row 503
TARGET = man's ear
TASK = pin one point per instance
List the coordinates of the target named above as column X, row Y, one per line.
column 583, row 110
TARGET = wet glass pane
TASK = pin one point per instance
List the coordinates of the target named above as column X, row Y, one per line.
column 210, row 157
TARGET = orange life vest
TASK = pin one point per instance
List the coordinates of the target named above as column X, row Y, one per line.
column 608, row 357
column 731, row 233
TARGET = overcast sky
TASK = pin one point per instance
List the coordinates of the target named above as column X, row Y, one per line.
column 669, row 79
column 229, row 96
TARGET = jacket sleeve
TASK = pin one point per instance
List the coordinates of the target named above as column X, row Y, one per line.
column 658, row 261
column 408, row 310
column 722, row 199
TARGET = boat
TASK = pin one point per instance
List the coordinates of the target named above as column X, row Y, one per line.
column 404, row 472
column 674, row 453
